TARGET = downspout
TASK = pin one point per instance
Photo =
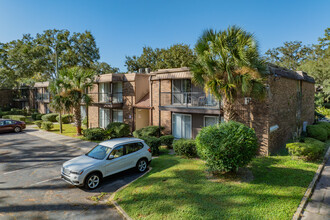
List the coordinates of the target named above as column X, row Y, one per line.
column 159, row 103
column 151, row 107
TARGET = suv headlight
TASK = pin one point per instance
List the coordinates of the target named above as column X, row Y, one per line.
column 77, row 173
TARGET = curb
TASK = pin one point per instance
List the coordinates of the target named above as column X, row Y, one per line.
column 114, row 202
column 298, row 214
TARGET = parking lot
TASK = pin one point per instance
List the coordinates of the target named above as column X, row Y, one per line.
column 31, row 188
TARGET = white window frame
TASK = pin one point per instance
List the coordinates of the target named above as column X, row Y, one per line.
column 117, row 110
column 191, row 125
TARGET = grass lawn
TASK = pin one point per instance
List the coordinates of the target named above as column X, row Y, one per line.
column 179, row 188
column 68, row 130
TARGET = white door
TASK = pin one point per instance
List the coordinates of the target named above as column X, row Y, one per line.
column 181, row 125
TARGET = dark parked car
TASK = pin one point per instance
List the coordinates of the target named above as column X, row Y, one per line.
column 7, row 125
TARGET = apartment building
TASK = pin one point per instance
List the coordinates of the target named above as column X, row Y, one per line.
column 42, row 97
column 120, row 98
column 184, row 108
column 180, row 106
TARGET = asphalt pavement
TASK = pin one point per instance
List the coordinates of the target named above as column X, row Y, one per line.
column 30, row 184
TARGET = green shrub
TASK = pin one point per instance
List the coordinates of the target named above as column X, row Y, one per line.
column 323, row 111
column 15, row 117
column 326, row 105
column 4, row 113
column 66, row 119
column 326, row 126
column 317, row 132
column 227, row 146
column 49, row 117
column 153, row 142
column 38, row 123
column 118, row 129
column 39, row 116
column 311, row 149
column 167, row 140
column 95, row 134
column 47, row 125
column 16, row 111
column 34, row 115
column 148, row 131
column 185, row 147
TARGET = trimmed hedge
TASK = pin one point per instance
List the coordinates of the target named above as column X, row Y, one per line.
column 317, row 132
column 148, row 131
column 66, row 119
column 118, row 129
column 38, row 123
column 95, row 134
column 167, row 140
column 39, row 116
column 50, row 117
column 47, row 125
column 227, row 146
column 326, row 126
column 185, row 147
column 15, row 117
column 311, row 149
column 153, row 142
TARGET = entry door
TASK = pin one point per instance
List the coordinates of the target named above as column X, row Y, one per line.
column 181, row 125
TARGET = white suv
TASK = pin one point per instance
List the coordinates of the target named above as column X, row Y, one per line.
column 107, row 158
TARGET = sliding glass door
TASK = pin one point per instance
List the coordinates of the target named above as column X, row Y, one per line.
column 104, row 117
column 181, row 125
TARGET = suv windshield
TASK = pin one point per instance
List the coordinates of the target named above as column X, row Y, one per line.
column 99, row 152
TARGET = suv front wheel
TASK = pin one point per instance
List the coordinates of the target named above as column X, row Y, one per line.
column 92, row 181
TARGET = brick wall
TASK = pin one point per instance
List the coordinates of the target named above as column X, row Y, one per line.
column 308, row 92
column 93, row 111
column 6, row 98
column 128, row 102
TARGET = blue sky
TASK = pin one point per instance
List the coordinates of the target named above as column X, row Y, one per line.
column 123, row 27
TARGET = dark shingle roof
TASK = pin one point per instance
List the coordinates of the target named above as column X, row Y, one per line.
column 286, row 73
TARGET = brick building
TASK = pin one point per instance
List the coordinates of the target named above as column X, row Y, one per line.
column 168, row 98
column 183, row 108
column 120, row 98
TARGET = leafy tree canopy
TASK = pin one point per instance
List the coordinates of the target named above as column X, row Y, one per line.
column 33, row 59
column 315, row 59
column 178, row 55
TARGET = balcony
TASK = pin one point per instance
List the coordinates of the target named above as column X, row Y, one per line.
column 43, row 97
column 198, row 102
column 110, row 99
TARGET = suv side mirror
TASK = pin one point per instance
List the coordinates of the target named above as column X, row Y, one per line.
column 111, row 157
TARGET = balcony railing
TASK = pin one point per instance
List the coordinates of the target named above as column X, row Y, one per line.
column 43, row 97
column 111, row 98
column 189, row 100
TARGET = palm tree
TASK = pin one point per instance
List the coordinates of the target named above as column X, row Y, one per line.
column 229, row 66
column 59, row 101
column 75, row 81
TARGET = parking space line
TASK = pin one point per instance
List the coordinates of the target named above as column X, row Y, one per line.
column 35, row 166
column 44, row 181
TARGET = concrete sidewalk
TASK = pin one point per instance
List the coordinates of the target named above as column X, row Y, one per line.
column 84, row 146
column 318, row 206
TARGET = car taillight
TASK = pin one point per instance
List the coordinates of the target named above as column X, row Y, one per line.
column 149, row 150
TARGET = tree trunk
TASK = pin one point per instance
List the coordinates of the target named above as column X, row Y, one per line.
column 77, row 117
column 230, row 113
column 61, row 130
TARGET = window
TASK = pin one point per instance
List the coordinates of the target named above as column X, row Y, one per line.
column 104, row 92
column 83, row 111
column 104, row 117
column 117, row 115
column 99, row 152
column 131, row 148
column 118, row 152
column 211, row 120
column 2, row 123
column 181, row 125
column 117, row 92
column 181, row 91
